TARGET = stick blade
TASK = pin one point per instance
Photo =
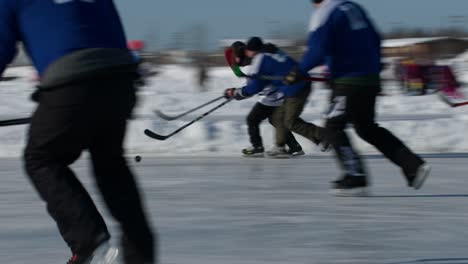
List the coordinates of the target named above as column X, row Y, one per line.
column 153, row 135
column 453, row 100
column 460, row 104
column 164, row 116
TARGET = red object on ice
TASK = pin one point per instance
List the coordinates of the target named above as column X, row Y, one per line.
column 450, row 82
column 449, row 92
column 136, row 45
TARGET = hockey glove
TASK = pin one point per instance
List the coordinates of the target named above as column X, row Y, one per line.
column 294, row 76
column 234, row 93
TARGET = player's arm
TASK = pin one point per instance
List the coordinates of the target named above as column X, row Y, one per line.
column 8, row 35
column 375, row 33
column 317, row 44
column 255, row 85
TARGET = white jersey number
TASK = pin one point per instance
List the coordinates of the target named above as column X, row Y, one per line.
column 355, row 16
column 277, row 57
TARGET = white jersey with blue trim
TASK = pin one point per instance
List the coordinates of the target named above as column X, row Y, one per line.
column 270, row 95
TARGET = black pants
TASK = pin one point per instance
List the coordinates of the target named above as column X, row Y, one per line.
column 259, row 113
column 356, row 105
column 90, row 114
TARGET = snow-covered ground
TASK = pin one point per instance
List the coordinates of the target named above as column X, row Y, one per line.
column 424, row 122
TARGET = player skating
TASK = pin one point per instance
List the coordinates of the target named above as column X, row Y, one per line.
column 267, row 60
column 343, row 37
column 86, row 95
column 271, row 99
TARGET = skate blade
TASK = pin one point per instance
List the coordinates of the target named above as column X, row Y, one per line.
column 354, row 192
column 281, row 156
column 105, row 254
column 258, row 155
column 298, row 153
column 421, row 176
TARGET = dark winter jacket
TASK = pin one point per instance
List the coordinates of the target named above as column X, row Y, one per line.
column 63, row 37
column 343, row 37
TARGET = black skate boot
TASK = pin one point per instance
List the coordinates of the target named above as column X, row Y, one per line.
column 278, row 153
column 131, row 255
column 320, row 141
column 98, row 253
column 253, row 152
column 416, row 179
column 294, row 152
column 350, row 186
column 324, row 146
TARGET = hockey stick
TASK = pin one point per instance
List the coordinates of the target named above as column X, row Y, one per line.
column 14, row 122
column 453, row 104
column 452, row 101
column 169, row 118
column 8, row 78
column 280, row 78
column 228, row 55
column 460, row 104
column 153, row 135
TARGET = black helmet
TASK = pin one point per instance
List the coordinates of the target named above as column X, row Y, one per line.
column 238, row 49
column 254, row 44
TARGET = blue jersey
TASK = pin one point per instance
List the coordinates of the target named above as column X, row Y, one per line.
column 343, row 38
column 50, row 29
column 271, row 64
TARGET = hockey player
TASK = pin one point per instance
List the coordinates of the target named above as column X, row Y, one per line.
column 269, row 60
column 343, row 37
column 263, row 109
column 86, row 95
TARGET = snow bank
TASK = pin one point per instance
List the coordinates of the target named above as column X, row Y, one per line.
column 423, row 122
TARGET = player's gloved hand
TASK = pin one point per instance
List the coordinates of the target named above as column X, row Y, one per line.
column 229, row 93
column 294, row 76
column 234, row 93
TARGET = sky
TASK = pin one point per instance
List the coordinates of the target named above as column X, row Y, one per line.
column 162, row 22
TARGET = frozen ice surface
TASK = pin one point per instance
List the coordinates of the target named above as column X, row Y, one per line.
column 232, row 210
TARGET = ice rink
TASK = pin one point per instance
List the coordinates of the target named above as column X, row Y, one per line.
column 220, row 210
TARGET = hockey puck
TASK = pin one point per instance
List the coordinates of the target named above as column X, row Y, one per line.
column 137, row 158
